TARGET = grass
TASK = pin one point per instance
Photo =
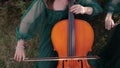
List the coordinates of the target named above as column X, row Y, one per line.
column 7, row 48
column 9, row 19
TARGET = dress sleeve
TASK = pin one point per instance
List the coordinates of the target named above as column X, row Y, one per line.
column 30, row 20
column 113, row 6
column 92, row 3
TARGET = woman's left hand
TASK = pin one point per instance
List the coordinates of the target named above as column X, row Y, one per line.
column 77, row 9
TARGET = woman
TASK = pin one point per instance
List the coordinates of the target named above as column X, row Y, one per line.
column 41, row 17
column 110, row 56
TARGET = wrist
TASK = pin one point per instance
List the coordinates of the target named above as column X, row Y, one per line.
column 20, row 46
column 88, row 10
column 109, row 15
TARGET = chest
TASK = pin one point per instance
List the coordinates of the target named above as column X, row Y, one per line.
column 60, row 5
column 57, row 4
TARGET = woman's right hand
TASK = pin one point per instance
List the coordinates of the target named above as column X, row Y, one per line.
column 19, row 55
column 109, row 22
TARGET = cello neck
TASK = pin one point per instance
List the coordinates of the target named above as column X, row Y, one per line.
column 71, row 31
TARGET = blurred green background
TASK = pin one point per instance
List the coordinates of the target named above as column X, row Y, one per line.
column 10, row 14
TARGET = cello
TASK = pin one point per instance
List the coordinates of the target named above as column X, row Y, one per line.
column 72, row 38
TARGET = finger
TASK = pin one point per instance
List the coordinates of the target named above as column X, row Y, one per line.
column 113, row 24
column 23, row 58
column 75, row 11
column 110, row 26
column 15, row 57
column 72, row 10
column 106, row 25
column 74, row 6
column 20, row 58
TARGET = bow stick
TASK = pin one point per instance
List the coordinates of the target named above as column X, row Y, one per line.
column 58, row 58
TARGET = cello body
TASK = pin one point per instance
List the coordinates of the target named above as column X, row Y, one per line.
column 84, row 37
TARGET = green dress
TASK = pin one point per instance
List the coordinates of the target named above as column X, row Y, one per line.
column 42, row 24
column 110, row 56
column 113, row 6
